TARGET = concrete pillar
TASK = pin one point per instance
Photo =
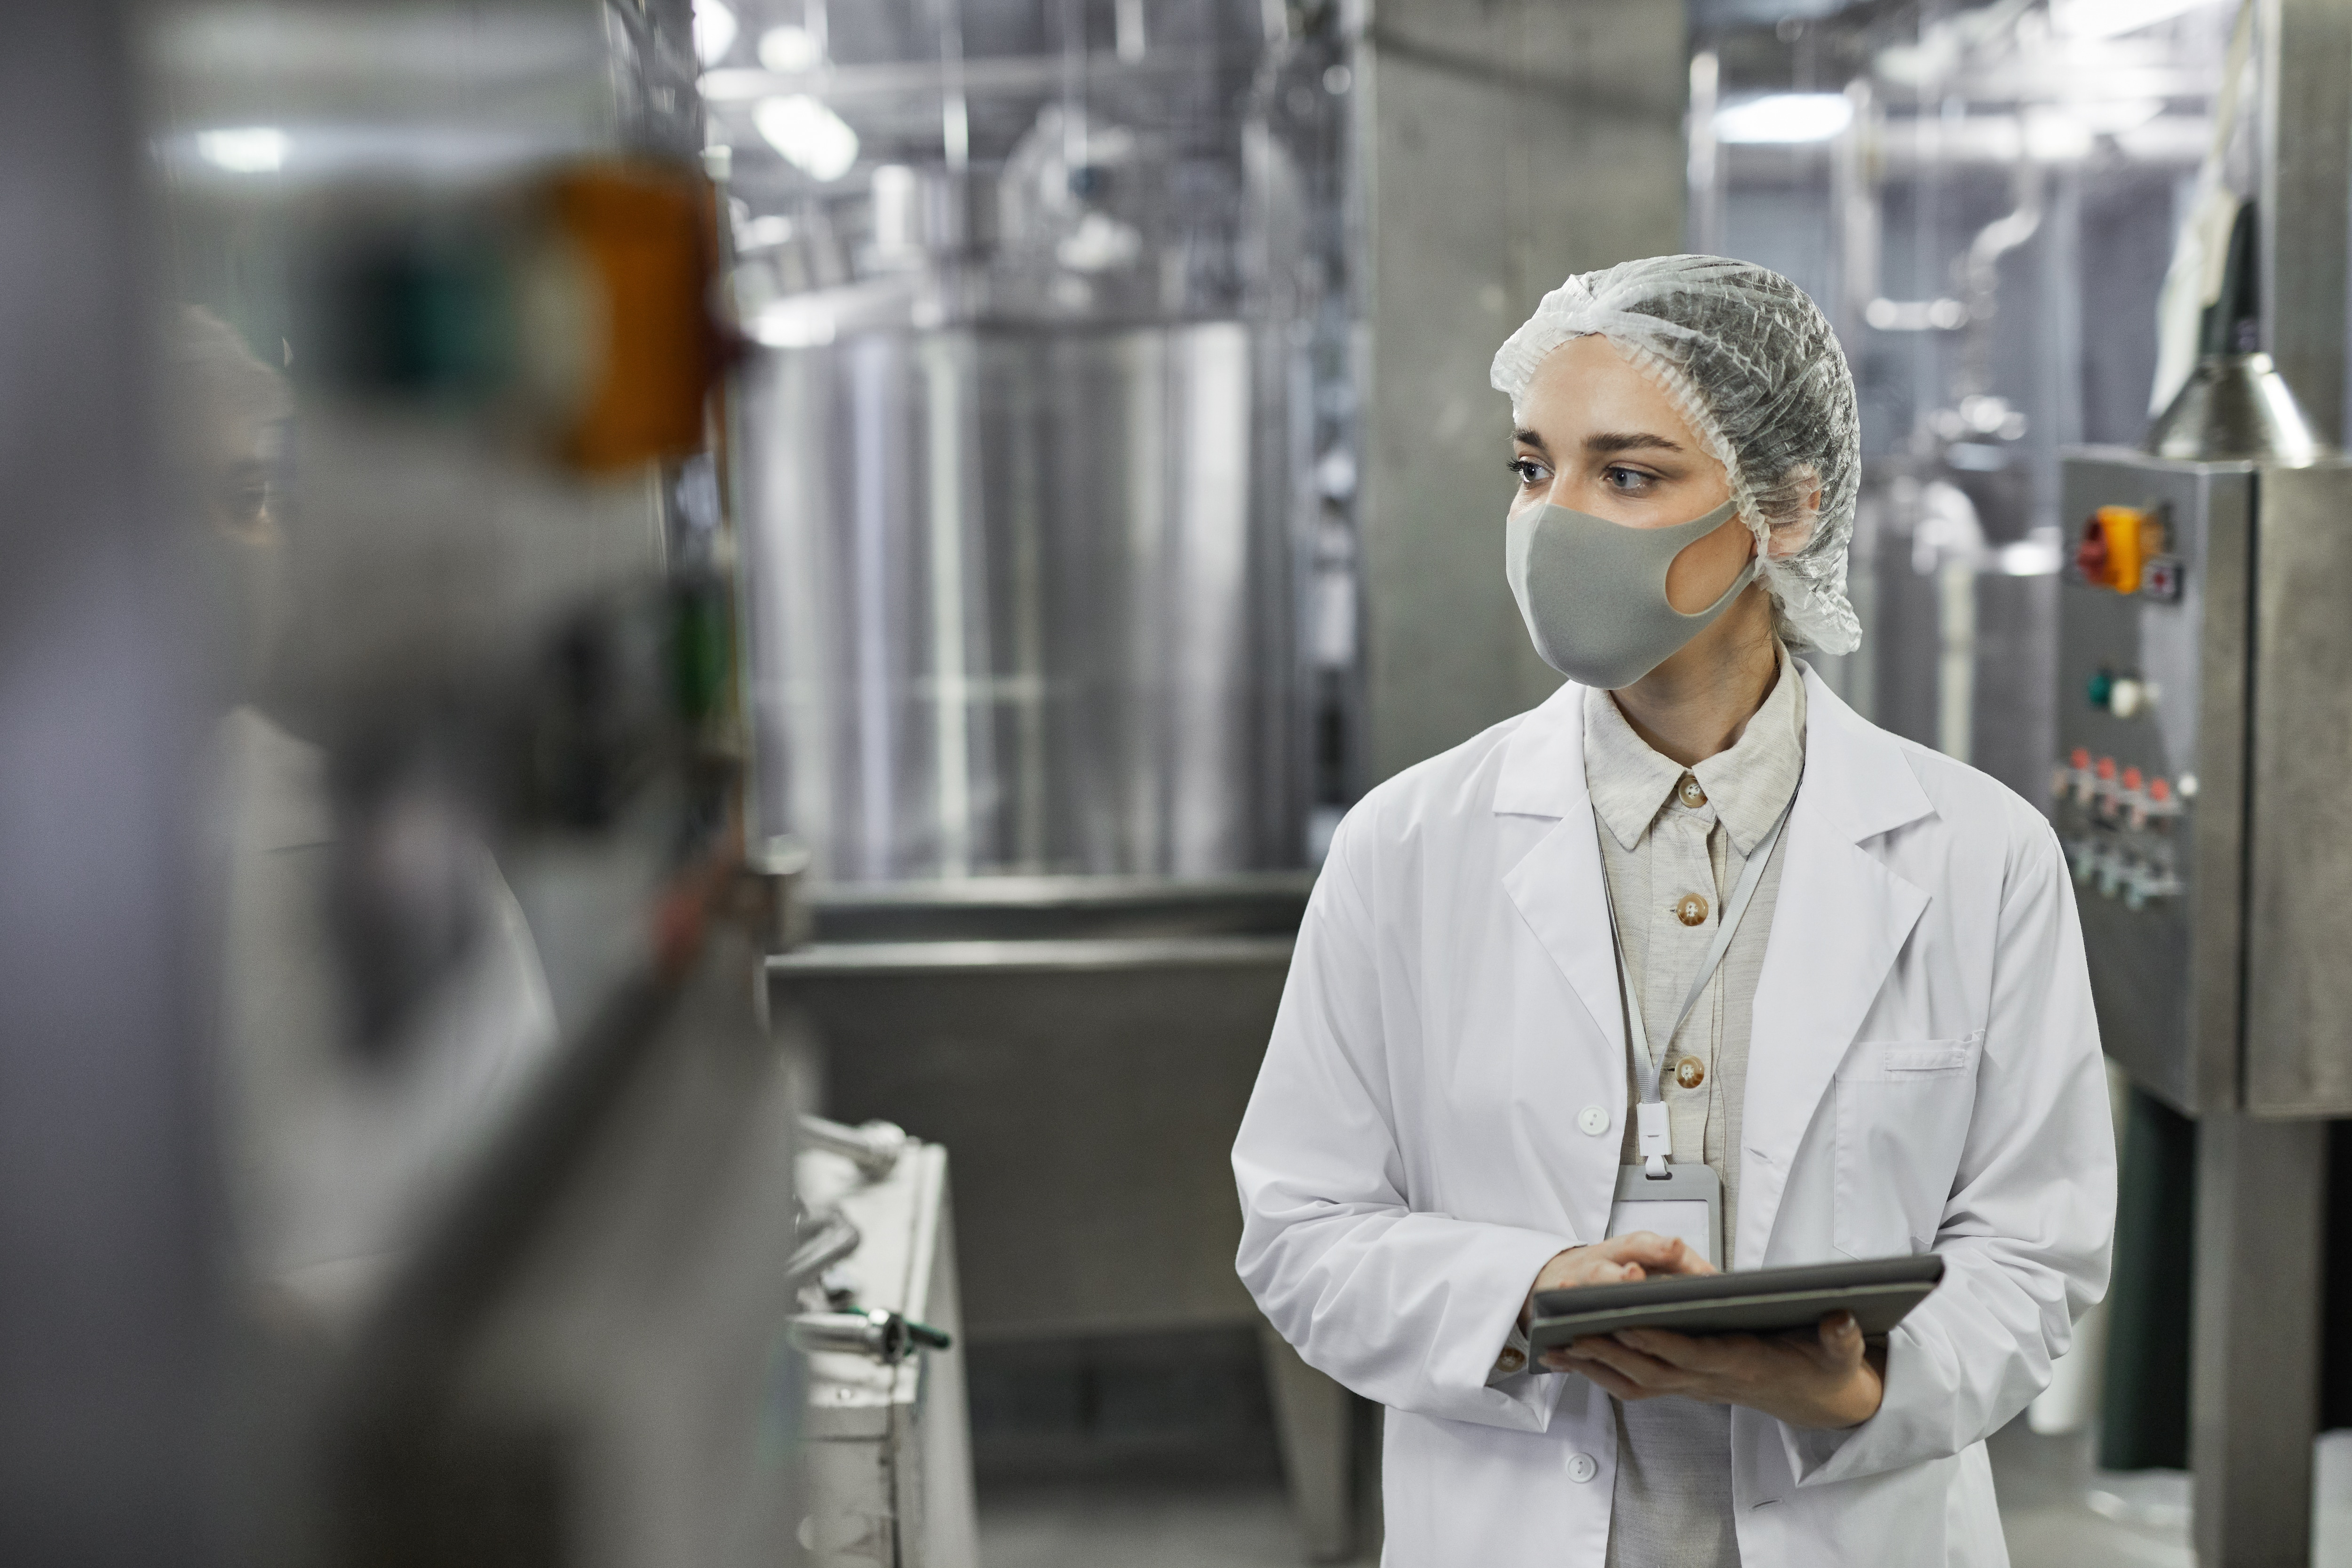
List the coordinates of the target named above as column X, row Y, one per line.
column 1503, row 144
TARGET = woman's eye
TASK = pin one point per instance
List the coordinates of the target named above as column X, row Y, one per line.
column 1630, row 481
column 1531, row 473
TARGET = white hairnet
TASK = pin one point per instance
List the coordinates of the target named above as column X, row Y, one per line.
column 1753, row 366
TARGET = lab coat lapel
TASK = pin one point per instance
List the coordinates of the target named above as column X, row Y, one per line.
column 1557, row 885
column 1841, row 918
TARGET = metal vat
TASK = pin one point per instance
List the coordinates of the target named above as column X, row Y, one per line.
column 1023, row 603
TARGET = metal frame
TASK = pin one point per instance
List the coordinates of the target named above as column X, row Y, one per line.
column 2305, row 48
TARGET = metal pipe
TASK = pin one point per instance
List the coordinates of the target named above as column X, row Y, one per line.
column 874, row 1148
column 1705, row 168
column 836, row 1238
column 1981, row 273
column 888, row 1337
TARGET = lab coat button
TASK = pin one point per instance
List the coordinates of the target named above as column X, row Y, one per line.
column 1690, row 1072
column 1691, row 910
column 1582, row 1469
column 1593, row 1119
column 1511, row 1360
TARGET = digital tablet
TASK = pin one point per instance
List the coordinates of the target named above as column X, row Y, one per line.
column 1878, row 1291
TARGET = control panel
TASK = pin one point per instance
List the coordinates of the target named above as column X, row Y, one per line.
column 2117, row 826
column 2145, row 789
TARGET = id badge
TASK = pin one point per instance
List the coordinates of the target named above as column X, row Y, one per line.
column 1687, row 1204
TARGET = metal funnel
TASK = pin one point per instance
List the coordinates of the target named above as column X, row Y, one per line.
column 2236, row 407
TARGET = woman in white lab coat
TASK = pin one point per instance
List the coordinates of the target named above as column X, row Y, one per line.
column 1887, row 1046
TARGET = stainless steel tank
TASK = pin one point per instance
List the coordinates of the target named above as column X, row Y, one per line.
column 1028, row 602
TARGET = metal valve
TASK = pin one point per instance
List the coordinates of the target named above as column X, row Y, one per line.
column 888, row 1337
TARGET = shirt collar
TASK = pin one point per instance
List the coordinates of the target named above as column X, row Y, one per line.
column 1748, row 784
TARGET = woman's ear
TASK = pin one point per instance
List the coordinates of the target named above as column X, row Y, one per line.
column 1789, row 537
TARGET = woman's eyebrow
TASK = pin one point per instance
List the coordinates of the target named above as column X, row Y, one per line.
column 1530, row 438
column 1600, row 443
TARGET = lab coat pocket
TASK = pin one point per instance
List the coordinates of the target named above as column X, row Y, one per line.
column 1903, row 1109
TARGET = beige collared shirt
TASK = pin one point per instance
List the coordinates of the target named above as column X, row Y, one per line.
column 1676, row 841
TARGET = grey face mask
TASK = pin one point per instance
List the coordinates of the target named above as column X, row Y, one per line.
column 1593, row 593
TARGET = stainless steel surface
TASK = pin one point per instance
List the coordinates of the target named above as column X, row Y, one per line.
column 606, row 1304
column 779, row 867
column 110, row 1302
column 2299, row 1038
column 888, row 1453
column 1029, row 955
column 2254, row 1375
column 2165, row 976
column 2235, row 407
column 874, row 1148
column 508, row 1156
column 1022, row 602
column 1038, row 908
column 2305, row 205
column 1090, row 1089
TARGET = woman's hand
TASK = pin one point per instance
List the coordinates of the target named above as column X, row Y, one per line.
column 1827, row 1378
column 1620, row 1260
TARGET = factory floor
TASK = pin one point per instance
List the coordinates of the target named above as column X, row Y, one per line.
column 1091, row 1456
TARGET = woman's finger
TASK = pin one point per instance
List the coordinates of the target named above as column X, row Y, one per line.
column 1632, row 1365
column 1611, row 1384
column 1841, row 1339
column 1683, row 1351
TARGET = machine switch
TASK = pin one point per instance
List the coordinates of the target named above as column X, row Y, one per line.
column 2117, row 545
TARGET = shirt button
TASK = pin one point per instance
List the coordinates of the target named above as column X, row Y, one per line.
column 1593, row 1119
column 1690, row 1072
column 1511, row 1360
column 1690, row 794
column 1691, row 910
column 1581, row 1467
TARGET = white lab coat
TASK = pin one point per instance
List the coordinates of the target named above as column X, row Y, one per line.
column 1923, row 1072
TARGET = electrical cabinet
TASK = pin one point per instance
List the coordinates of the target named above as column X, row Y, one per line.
column 2204, row 702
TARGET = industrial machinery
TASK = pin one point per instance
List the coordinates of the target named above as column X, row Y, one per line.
column 2195, row 703
column 889, row 1452
column 509, row 1157
column 1041, row 444
column 1025, row 447
column 2202, row 709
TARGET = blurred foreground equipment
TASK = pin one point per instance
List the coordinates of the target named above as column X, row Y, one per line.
column 506, row 1148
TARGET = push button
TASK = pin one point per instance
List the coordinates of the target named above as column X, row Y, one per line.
column 1690, row 1072
column 1691, row 910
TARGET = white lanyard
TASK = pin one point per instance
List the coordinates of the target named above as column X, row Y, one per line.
column 1656, row 1137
